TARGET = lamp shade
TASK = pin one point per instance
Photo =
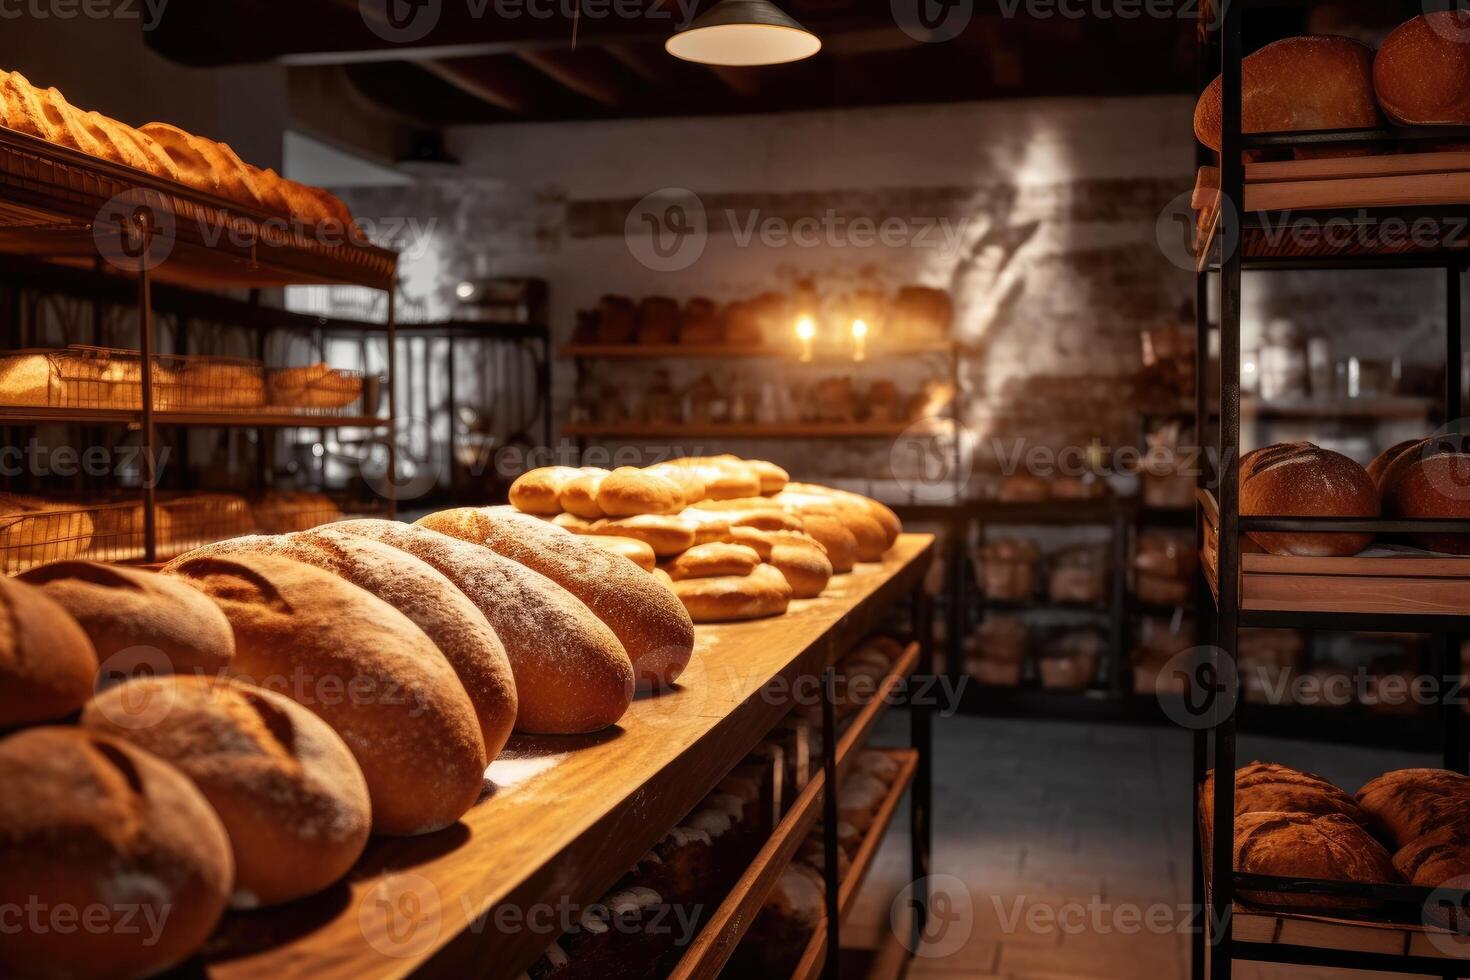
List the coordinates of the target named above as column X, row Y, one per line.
column 742, row 33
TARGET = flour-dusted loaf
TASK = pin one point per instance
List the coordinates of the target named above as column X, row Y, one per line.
column 1406, row 804
column 1298, row 479
column 1431, row 478
column 728, row 598
column 1306, row 845
column 653, row 627
column 88, row 822
column 287, row 789
column 1421, row 73
column 47, row 664
column 365, row 669
column 139, row 620
column 426, row 597
column 572, row 674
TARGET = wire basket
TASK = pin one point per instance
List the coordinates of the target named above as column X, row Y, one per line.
column 316, row 389
column 34, row 532
column 80, row 377
column 284, row 511
column 189, row 522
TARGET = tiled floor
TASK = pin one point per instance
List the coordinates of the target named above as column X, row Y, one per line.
column 1069, row 844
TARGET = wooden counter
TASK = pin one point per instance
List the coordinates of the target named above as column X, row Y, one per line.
column 565, row 817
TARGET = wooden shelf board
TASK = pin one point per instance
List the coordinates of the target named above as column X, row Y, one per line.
column 756, row 430
column 222, row 418
column 569, row 815
column 875, row 352
column 814, row 958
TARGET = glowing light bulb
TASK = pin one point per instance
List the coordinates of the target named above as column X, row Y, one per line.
column 806, row 329
column 859, row 339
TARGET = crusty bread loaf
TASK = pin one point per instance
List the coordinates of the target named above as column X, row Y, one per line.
column 802, row 561
column 1437, row 857
column 1306, row 845
column 1295, row 84
column 628, row 491
column 687, row 479
column 47, row 663
column 538, row 491
column 710, row 560
column 1380, row 464
column 1431, row 478
column 433, row 603
column 638, row 552
column 654, row 629
column 1421, row 73
column 1406, row 804
column 313, row 386
column 87, row 822
column 137, row 619
column 1269, row 787
column 579, row 495
column 880, row 512
column 764, row 592
column 361, row 666
column 839, row 543
column 572, row 674
column 287, row 789
column 666, row 534
column 1299, row 479
column 855, row 513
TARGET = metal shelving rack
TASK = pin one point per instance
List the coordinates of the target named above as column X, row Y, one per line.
column 56, row 207
column 1215, row 882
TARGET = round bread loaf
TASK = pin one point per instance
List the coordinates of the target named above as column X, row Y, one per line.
column 1297, row 83
column 572, row 674
column 638, row 552
column 1299, row 479
column 139, row 619
column 803, row 562
column 1439, row 856
column 426, row 597
column 579, row 496
column 538, row 491
column 716, row 558
column 684, row 477
column 1431, row 478
column 1307, row 845
column 111, row 837
column 666, row 534
column 1380, row 464
column 1264, row 787
column 1421, row 73
column 1406, row 804
column 362, row 667
column 47, row 664
column 764, row 592
column 653, row 628
column 287, row 789
column 627, row 491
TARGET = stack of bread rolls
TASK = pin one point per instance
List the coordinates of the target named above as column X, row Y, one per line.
column 734, row 539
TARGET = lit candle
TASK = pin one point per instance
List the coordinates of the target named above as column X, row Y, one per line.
column 859, row 340
column 806, row 329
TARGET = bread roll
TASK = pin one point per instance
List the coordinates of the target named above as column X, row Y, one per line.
column 653, row 628
column 139, row 619
column 709, row 525
column 627, row 491
column 860, row 519
column 365, row 669
column 579, row 495
column 710, row 560
column 764, row 592
column 878, row 511
column 802, row 561
column 572, row 674
column 1295, row 84
column 1305, row 845
column 1408, row 803
column 859, row 799
column 290, row 795
column 1380, row 464
column 685, row 478
column 47, row 663
column 99, row 828
column 839, row 543
column 723, row 478
column 433, row 603
column 1421, row 73
column 1299, row 479
column 1431, row 479
column 313, row 386
column 638, row 552
column 773, row 478
column 538, row 491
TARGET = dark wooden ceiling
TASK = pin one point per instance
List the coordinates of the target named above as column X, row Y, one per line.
column 477, row 67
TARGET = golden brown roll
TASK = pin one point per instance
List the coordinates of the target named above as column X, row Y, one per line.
column 139, row 619
column 365, row 669
column 685, row 478
column 709, row 560
column 87, row 822
column 579, row 495
column 878, row 511
column 538, row 491
column 427, row 598
column 764, row 592
column 855, row 513
column 290, row 795
column 628, row 491
column 1306, row 845
column 723, row 478
column 653, row 628
column 572, row 674
column 666, row 534
column 839, row 543
column 803, row 561
column 47, row 664
column 709, row 525
column 1431, row 478
column 773, row 478
column 638, row 552
column 1299, row 479
column 1421, row 73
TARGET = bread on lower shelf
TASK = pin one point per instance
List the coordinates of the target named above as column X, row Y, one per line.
column 48, row 666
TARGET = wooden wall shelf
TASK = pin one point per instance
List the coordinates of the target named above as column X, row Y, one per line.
column 840, row 355
column 221, row 418
column 754, row 430
column 568, row 815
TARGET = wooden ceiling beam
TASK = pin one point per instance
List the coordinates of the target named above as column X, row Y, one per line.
column 589, row 72
column 502, row 81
